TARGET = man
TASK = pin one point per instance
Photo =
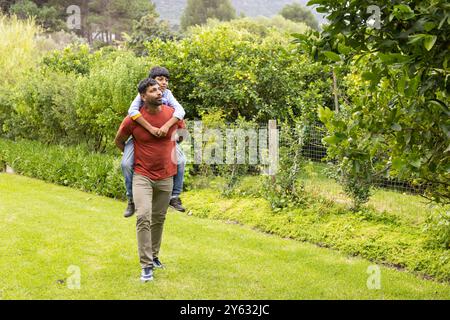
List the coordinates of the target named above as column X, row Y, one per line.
column 162, row 76
column 155, row 165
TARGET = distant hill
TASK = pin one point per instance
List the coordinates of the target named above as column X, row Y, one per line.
column 172, row 10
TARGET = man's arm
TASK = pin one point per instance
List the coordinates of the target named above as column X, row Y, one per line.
column 120, row 140
column 123, row 133
column 134, row 114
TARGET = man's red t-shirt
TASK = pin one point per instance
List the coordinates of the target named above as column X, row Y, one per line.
column 154, row 158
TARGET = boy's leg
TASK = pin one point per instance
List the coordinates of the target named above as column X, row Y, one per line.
column 127, row 165
column 161, row 196
column 175, row 201
column 142, row 194
column 178, row 181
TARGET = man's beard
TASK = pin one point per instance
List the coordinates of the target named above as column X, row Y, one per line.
column 155, row 104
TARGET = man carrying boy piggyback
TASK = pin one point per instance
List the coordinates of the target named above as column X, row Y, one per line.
column 153, row 175
column 162, row 76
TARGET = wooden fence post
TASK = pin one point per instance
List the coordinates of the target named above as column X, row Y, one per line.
column 273, row 148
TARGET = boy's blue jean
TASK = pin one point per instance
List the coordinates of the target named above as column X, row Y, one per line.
column 128, row 169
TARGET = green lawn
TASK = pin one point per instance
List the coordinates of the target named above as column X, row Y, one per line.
column 45, row 228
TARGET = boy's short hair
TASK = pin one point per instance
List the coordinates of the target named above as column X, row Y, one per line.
column 144, row 84
column 158, row 72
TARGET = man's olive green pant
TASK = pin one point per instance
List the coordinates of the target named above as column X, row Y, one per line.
column 151, row 200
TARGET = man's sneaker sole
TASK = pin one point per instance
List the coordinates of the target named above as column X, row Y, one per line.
column 179, row 210
column 146, row 279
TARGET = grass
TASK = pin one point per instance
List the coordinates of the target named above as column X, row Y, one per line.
column 19, row 47
column 407, row 208
column 45, row 228
column 411, row 209
column 389, row 230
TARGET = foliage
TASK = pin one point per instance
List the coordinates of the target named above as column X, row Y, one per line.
column 75, row 94
column 46, row 16
column 74, row 166
column 102, row 21
column 284, row 190
column 116, row 16
column 263, row 26
column 19, row 50
column 298, row 13
column 438, row 226
column 41, row 110
column 20, row 53
column 146, row 29
column 400, row 117
column 226, row 67
column 355, row 167
column 72, row 59
column 197, row 12
column 104, row 96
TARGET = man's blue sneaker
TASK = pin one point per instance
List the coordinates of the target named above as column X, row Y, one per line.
column 157, row 263
column 147, row 274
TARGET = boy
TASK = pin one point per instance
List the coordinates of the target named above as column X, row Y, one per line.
column 162, row 76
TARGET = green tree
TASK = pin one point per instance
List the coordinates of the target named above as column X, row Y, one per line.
column 46, row 16
column 398, row 119
column 197, row 12
column 107, row 19
column 146, row 29
column 298, row 13
column 5, row 4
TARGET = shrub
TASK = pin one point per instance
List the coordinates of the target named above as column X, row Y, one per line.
column 68, row 166
column 74, row 96
column 72, row 59
column 18, row 47
column 438, row 226
column 104, row 95
column 43, row 108
column 354, row 154
column 284, row 189
column 231, row 68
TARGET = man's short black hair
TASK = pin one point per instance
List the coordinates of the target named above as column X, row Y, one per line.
column 158, row 72
column 144, row 84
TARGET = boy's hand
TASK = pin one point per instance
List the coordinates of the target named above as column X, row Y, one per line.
column 163, row 130
column 154, row 131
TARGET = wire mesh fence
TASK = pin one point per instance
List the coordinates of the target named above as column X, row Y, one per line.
column 313, row 149
column 259, row 155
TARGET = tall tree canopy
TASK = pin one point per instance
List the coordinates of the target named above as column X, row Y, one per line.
column 197, row 12
column 298, row 13
column 102, row 18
